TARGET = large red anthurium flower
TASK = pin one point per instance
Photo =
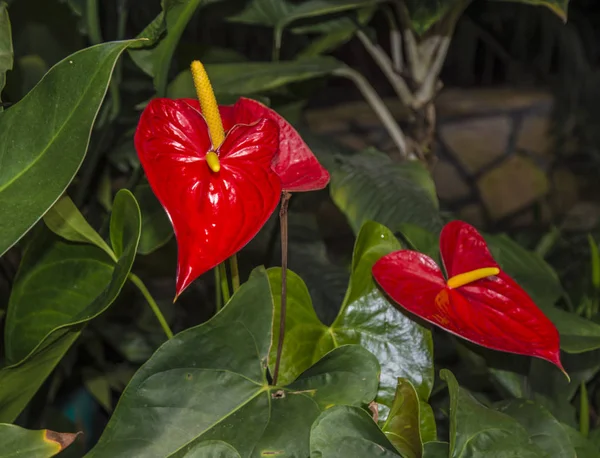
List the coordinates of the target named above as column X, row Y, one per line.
column 478, row 302
column 217, row 186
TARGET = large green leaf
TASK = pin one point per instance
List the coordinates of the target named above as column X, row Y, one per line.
column 477, row 431
column 155, row 59
column 403, row 347
column 250, row 78
column 60, row 286
column 36, row 169
column 19, row 442
column 369, row 186
column 156, row 226
column 209, row 383
column 348, row 432
column 425, row 13
column 559, row 7
column 545, row 430
column 6, row 48
column 402, row 426
column 583, row 447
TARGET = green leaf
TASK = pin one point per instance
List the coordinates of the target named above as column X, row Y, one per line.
column 17, row 442
column 402, row 424
column 156, row 60
column 577, row 334
column 424, row 14
column 156, row 226
column 544, row 430
column 477, row 431
column 436, row 450
column 6, row 47
column 370, row 186
column 59, row 287
column 250, row 78
column 224, row 361
column 349, row 432
column 66, row 221
column 403, row 347
column 208, row 449
column 584, row 448
column 559, row 7
column 421, row 240
column 36, row 169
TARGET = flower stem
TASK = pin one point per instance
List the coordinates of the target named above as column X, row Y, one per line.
column 283, row 223
column 218, row 296
column 137, row 281
column 235, row 272
column 224, row 283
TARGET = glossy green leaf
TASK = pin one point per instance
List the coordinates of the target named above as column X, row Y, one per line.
column 425, row 13
column 369, row 186
column 20, row 442
column 348, row 432
column 436, row 449
column 156, row 226
column 172, row 21
column 544, row 430
column 66, row 221
column 403, row 347
column 402, row 424
column 208, row 449
column 36, row 169
column 60, row 286
column 584, row 448
column 478, row 431
column 209, row 383
column 250, row 78
column 6, row 48
column 559, row 7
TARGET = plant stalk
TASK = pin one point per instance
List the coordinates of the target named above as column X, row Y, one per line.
column 224, row 283
column 283, row 223
column 235, row 272
column 218, row 295
column 137, row 281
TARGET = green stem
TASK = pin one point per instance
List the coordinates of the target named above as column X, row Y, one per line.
column 584, row 411
column 283, row 223
column 224, row 283
column 235, row 272
column 137, row 281
column 219, row 297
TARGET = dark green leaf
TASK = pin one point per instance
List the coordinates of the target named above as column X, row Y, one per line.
column 425, row 13
column 20, row 442
column 156, row 226
column 36, row 169
column 223, row 360
column 559, row 7
column 403, row 347
column 544, row 430
column 421, row 240
column 6, row 48
column 478, row 431
column 66, row 221
column 348, row 432
column 402, row 424
column 584, row 448
column 250, row 78
column 60, row 286
column 436, row 450
column 208, row 449
column 156, row 61
column 370, row 186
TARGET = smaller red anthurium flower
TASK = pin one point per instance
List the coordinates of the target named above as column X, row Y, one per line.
column 478, row 302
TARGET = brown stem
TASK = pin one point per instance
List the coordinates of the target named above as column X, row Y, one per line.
column 283, row 223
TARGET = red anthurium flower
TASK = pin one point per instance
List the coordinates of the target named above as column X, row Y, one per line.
column 296, row 165
column 478, row 302
column 218, row 187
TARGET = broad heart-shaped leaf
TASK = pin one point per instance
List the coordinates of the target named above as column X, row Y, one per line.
column 173, row 19
column 36, row 169
column 349, row 432
column 6, row 48
column 544, row 430
column 559, row 7
column 403, row 347
column 209, row 383
column 436, row 450
column 65, row 220
column 584, row 448
column 156, row 227
column 369, row 186
column 477, row 431
column 17, row 442
column 402, row 426
column 60, row 286
column 246, row 79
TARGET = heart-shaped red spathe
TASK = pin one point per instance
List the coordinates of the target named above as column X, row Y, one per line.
column 494, row 312
column 214, row 214
column 296, row 165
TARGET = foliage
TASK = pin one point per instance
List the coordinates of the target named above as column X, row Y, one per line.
column 88, row 262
